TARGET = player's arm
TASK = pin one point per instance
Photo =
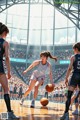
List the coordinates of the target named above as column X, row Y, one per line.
column 7, row 58
column 69, row 69
column 35, row 63
column 50, row 74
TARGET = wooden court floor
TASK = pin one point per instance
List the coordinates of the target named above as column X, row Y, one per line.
column 52, row 112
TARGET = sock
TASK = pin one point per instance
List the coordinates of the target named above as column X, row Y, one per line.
column 68, row 101
column 7, row 101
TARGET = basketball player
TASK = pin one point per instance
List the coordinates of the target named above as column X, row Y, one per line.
column 74, row 79
column 4, row 48
column 15, row 91
column 38, row 76
column 75, row 98
column 11, row 90
column 77, row 104
column 20, row 93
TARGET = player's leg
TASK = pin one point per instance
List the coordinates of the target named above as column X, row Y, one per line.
column 73, row 82
column 38, row 83
column 73, row 98
column 76, row 112
column 31, row 85
column 4, row 83
column 66, row 114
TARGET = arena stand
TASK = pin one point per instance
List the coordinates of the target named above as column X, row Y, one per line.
column 32, row 52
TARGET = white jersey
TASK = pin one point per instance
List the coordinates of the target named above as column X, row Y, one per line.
column 56, row 92
column 60, row 91
column 42, row 70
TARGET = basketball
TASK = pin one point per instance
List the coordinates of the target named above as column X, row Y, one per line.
column 49, row 87
column 44, row 101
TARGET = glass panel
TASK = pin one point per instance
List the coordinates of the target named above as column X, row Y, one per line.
column 60, row 20
column 78, row 35
column 71, row 35
column 47, row 37
column 34, row 37
column 20, row 34
column 35, row 10
column 48, row 10
column 47, row 23
column 61, row 36
column 35, row 23
column 3, row 17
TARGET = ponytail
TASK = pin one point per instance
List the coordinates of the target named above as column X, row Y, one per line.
column 3, row 28
column 48, row 54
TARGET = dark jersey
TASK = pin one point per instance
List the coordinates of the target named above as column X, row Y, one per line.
column 20, row 90
column 1, row 55
column 15, row 89
column 1, row 48
column 76, row 64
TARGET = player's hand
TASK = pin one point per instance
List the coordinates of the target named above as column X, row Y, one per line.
column 66, row 82
column 24, row 72
column 8, row 75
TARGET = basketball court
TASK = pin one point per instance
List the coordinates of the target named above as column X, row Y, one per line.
column 35, row 26
column 53, row 111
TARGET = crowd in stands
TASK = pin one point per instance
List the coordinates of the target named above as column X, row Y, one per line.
column 18, row 53
column 63, row 54
column 22, row 53
column 33, row 54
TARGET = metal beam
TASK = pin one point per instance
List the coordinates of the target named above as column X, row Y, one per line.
column 5, row 4
column 72, row 11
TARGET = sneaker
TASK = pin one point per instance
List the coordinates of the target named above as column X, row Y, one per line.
column 12, row 116
column 75, row 112
column 21, row 102
column 70, row 108
column 65, row 116
column 32, row 104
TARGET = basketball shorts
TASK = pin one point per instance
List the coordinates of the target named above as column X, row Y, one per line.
column 74, row 80
column 34, row 77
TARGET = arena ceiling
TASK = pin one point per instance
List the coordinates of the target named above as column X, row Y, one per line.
column 72, row 11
